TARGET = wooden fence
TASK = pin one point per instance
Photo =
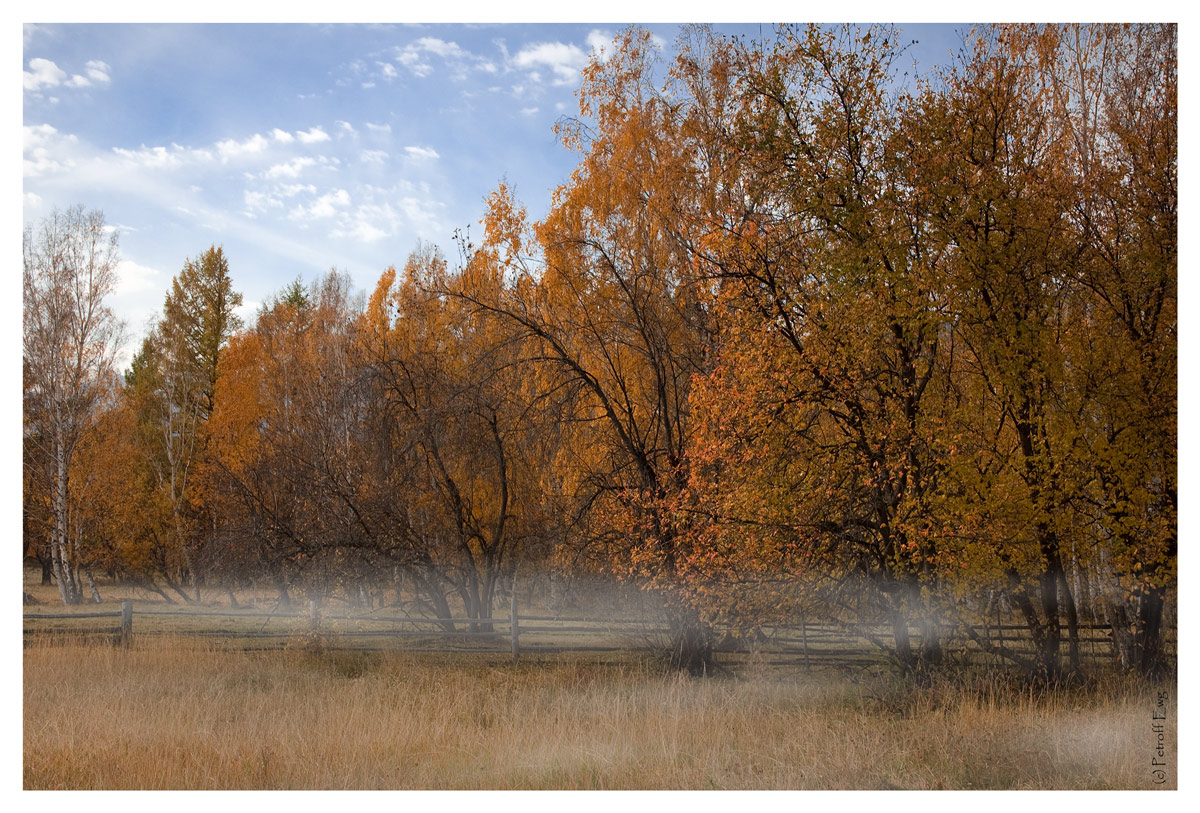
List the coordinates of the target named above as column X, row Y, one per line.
column 121, row 634
column 808, row 644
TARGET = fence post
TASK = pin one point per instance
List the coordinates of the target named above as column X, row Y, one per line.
column 514, row 625
column 314, row 614
column 126, row 622
column 804, row 638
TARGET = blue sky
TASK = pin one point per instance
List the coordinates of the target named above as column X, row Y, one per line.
column 301, row 147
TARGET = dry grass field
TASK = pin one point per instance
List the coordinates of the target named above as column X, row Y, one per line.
column 177, row 714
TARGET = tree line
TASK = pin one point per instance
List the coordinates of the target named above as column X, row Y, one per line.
column 802, row 334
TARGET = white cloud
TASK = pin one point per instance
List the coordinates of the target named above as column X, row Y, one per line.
column 564, row 59
column 44, row 74
column 414, row 57
column 442, row 48
column 366, row 232
column 98, row 71
column 420, row 214
column 528, row 111
column 232, row 149
column 260, row 200
column 368, row 223
column 291, row 169
column 293, row 189
column 37, row 141
column 345, row 126
column 422, row 153
column 601, row 43
column 31, row 200
column 37, row 134
column 323, row 207
column 373, row 156
column 379, row 128
column 313, row 136
column 156, row 157
column 282, row 136
column 134, row 278
column 411, row 59
column 248, row 310
column 388, row 70
column 162, row 157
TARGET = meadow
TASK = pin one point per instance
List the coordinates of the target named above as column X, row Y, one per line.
column 179, row 714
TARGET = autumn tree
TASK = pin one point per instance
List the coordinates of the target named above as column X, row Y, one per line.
column 282, row 438
column 819, row 429
column 1116, row 87
column 603, row 289
column 1064, row 307
column 70, row 338
column 455, row 437
column 173, row 382
column 124, row 520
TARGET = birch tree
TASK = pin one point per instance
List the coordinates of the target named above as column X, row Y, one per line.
column 70, row 338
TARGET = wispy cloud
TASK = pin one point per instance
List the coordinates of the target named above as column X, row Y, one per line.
column 290, row 169
column 232, row 149
column 43, row 73
column 162, row 157
column 39, row 143
column 415, row 57
column 375, row 219
column 564, row 60
column 259, row 200
column 422, row 153
column 600, row 43
column 313, row 136
column 326, row 206
column 133, row 278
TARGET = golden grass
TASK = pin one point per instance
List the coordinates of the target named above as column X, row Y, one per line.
column 173, row 714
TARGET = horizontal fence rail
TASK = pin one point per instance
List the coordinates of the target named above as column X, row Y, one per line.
column 122, row 634
column 822, row 643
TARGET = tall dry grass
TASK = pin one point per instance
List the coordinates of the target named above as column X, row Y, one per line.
column 172, row 714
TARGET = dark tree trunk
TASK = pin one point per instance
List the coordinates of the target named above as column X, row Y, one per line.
column 1068, row 601
column 904, row 651
column 431, row 589
column 1150, row 659
column 281, row 585
column 691, row 647
column 931, row 641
